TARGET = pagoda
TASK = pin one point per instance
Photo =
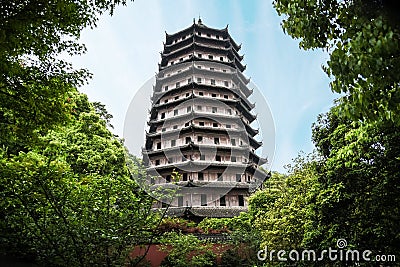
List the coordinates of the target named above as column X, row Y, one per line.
column 200, row 126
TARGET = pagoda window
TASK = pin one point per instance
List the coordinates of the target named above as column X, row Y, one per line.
column 199, row 33
column 180, row 60
column 212, row 69
column 233, row 159
column 168, row 178
column 212, row 82
column 198, row 80
column 202, row 157
column 229, row 111
column 163, row 115
column 241, row 142
column 200, row 176
column 201, row 93
column 175, row 127
column 222, row 201
column 177, row 97
column 200, row 139
column 201, row 123
column 241, row 200
column 219, row 177
column 221, row 58
column 214, row 110
column 210, row 56
column 226, row 83
column 223, row 70
column 215, row 124
column 157, row 162
column 214, row 95
column 238, row 177
column 187, row 94
column 228, row 126
column 187, row 124
column 166, row 101
column 175, row 112
column 189, row 109
column 180, row 201
column 173, row 143
column 199, row 66
column 166, row 88
column 188, row 140
column 248, row 178
column 163, row 129
column 208, row 35
column 218, row 158
column 200, row 55
column 216, row 140
column 183, row 37
column 233, row 142
column 178, row 84
column 226, row 96
column 199, row 108
column 159, row 145
column 217, row 36
column 203, row 199
column 184, row 177
column 171, row 63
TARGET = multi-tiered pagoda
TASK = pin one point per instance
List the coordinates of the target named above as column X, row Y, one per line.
column 200, row 125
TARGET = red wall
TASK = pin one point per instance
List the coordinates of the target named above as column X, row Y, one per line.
column 155, row 256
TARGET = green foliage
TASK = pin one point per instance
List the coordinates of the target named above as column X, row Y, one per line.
column 70, row 200
column 186, row 250
column 209, row 224
column 359, row 185
column 175, row 224
column 362, row 38
column 280, row 210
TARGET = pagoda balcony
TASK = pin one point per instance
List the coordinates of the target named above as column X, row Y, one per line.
column 204, row 100
column 188, row 70
column 197, row 165
column 194, row 85
column 201, row 46
column 197, row 129
column 243, row 150
column 231, row 63
column 223, row 42
column 204, row 212
column 205, row 185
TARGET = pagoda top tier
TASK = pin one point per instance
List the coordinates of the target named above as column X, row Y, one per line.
column 200, row 28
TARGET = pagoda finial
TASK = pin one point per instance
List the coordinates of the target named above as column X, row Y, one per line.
column 199, row 21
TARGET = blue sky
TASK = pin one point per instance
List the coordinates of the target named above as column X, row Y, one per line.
column 123, row 53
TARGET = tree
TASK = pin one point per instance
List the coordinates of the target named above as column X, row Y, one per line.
column 359, row 184
column 34, row 81
column 362, row 38
column 186, row 250
column 70, row 200
column 280, row 211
